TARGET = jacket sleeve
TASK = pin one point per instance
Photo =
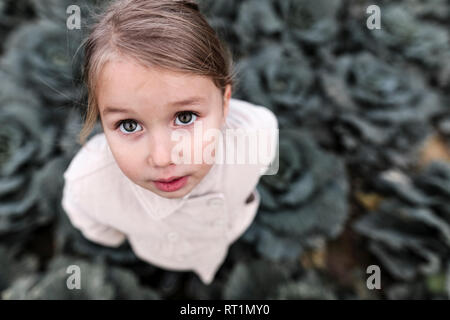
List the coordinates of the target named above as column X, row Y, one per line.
column 81, row 219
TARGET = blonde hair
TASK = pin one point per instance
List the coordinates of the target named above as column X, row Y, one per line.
column 171, row 34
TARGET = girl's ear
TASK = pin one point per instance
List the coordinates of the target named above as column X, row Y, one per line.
column 99, row 119
column 226, row 100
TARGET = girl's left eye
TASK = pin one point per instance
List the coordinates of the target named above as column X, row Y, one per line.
column 185, row 118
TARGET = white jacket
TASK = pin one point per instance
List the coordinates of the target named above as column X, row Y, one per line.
column 190, row 233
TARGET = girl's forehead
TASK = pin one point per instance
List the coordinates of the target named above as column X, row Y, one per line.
column 124, row 81
column 117, row 70
column 127, row 66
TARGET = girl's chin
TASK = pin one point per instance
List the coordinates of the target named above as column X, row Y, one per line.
column 171, row 195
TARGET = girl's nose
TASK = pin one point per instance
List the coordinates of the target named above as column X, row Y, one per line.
column 160, row 149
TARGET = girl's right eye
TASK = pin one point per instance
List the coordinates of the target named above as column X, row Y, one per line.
column 128, row 126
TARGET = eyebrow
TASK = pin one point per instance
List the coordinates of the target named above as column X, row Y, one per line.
column 174, row 104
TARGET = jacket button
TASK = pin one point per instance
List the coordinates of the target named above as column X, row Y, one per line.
column 172, row 236
column 215, row 202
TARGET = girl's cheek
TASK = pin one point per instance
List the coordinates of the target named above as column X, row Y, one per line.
column 127, row 151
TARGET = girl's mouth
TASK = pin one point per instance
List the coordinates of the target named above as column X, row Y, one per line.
column 171, row 184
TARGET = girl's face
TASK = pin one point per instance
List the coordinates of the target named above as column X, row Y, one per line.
column 140, row 108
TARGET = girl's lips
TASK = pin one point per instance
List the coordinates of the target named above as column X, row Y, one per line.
column 172, row 185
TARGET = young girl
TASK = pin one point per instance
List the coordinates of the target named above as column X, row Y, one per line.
column 155, row 68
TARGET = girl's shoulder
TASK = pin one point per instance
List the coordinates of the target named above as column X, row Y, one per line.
column 90, row 158
column 243, row 114
column 258, row 119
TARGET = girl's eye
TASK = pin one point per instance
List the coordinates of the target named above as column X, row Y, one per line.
column 185, row 118
column 129, row 126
